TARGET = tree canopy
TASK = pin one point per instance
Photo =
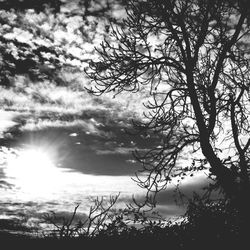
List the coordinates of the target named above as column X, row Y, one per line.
column 193, row 57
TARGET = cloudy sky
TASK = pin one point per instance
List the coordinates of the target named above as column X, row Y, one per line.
column 59, row 144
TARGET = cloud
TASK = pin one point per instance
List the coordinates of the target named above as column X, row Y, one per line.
column 28, row 216
column 46, row 98
column 5, row 185
column 118, row 150
column 45, row 113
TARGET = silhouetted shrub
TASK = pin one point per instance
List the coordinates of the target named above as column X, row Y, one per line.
column 207, row 223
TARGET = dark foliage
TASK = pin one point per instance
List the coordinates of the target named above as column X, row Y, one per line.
column 207, row 224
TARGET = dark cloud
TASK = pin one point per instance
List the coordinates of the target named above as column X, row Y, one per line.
column 92, row 142
column 61, row 217
column 25, row 217
column 5, row 185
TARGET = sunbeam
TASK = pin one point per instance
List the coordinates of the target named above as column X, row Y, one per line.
column 33, row 168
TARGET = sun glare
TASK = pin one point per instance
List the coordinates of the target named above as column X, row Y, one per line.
column 34, row 174
column 32, row 168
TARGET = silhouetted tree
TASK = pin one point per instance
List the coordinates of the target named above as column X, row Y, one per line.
column 193, row 57
column 100, row 214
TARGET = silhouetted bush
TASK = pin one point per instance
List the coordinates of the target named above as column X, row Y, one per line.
column 206, row 224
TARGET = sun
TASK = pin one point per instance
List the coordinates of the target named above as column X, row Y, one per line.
column 32, row 169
